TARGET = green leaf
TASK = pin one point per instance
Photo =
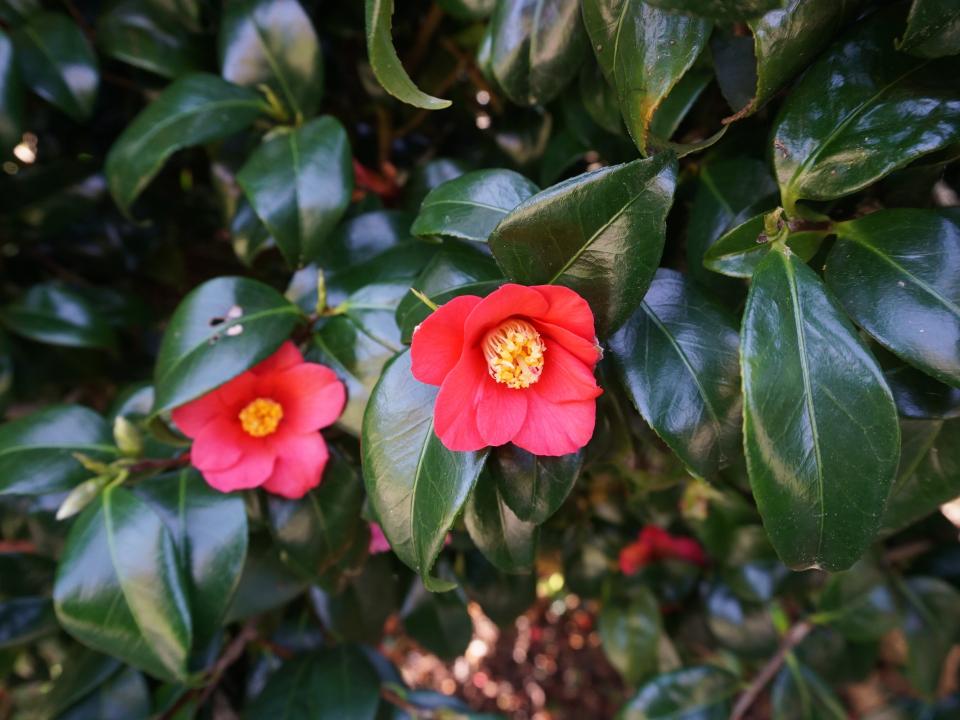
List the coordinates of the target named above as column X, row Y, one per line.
column 83, row 672
column 361, row 237
column 833, row 136
column 299, row 183
column 738, row 252
column 416, row 485
column 273, row 43
column 678, row 359
column 359, row 611
column 600, row 233
column 750, row 566
column 14, row 12
column 933, row 29
column 249, row 236
column 508, row 542
column 138, row 34
column 25, row 573
column 24, row 620
column 36, row 451
column 57, row 63
column 265, row 584
column 931, row 625
column 745, row 628
column 696, row 693
column 470, row 206
column 124, row 696
column 532, row 486
column 894, row 271
column 209, row 531
column 56, row 315
column 929, row 472
column 643, row 52
column 630, row 634
column 119, row 587
column 750, row 71
column 11, row 97
column 468, row 9
column 728, row 10
column 193, row 110
column 537, row 47
column 919, row 396
column 800, row 694
column 331, row 684
column 821, row 433
column 220, row 329
column 439, row 622
column 385, row 63
column 859, row 603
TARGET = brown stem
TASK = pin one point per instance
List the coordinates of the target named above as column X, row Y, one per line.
column 415, row 712
column 166, row 464
column 793, row 637
column 427, row 30
column 473, row 72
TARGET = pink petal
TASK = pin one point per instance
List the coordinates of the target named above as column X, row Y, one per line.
column 455, row 414
column 286, row 356
column 220, row 445
column 585, row 350
column 300, row 463
column 568, row 310
column 500, row 411
column 564, row 377
column 254, row 467
column 238, row 393
column 196, row 414
column 438, row 341
column 378, row 541
column 311, row 395
column 505, row 302
column 556, row 428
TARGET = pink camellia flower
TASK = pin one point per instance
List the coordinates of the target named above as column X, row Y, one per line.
column 515, row 366
column 378, row 541
column 260, row 429
column 654, row 544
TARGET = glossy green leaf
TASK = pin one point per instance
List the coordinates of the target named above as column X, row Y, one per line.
column 674, row 108
column 56, row 315
column 929, row 472
column 798, row 693
column 83, row 672
column 821, row 433
column 193, row 110
column 361, row 237
column 750, row 70
column 299, row 183
column 728, row 10
column 600, row 234
column 738, row 252
column 750, row 566
column 703, row 692
column 358, row 612
column 120, row 589
column 23, row 620
column 136, row 33
column 221, row 328
column 859, row 603
column 537, row 47
column 265, row 584
column 209, row 531
column 57, row 63
column 894, row 271
column 933, row 29
column 745, row 628
column 36, row 451
column 508, row 542
column 630, row 634
column 14, row 12
column 385, row 63
column 416, row 485
column 931, row 625
column 124, row 696
column 833, row 135
column 249, row 235
column 921, row 397
column 11, row 97
column 439, row 622
column 678, row 358
column 470, row 206
column 468, row 9
column 273, row 43
column 331, row 684
column 532, row 486
column 643, row 52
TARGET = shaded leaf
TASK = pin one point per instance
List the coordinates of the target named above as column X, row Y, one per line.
column 508, row 542
column 136, row 33
column 56, row 315
column 534, row 487
column 799, row 694
column 11, row 97
column 859, row 604
column 729, row 10
column 703, row 692
column 630, row 634
column 438, row 621
column 738, row 252
column 933, row 29
column 25, row 619
column 931, row 625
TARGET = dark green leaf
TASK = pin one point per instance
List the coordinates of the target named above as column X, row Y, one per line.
column 14, row 12
column 833, row 136
column 933, row 29
column 25, row 573
column 729, row 10
column 502, row 596
column 25, row 619
column 11, row 97
column 931, row 625
column 468, row 9
column 674, row 108
column 537, row 47
column 125, row 696
column 225, row 326
column 696, row 693
column 643, row 52
column 56, row 315
column 630, row 634
column 921, row 397
column 508, row 542
column 678, row 358
column 136, row 33
column 195, row 109
column 859, row 604
column 738, row 252
column 36, row 451
column 119, row 587
column 358, row 239
column 273, row 43
column 470, row 206
column 600, row 234
column 894, row 271
column 337, row 683
column 266, row 583
column 534, row 487
column 358, row 612
column 57, row 62
column 799, row 694
column 83, row 672
column 209, row 531
column 416, row 485
column 250, row 236
column 821, row 433
column 439, row 622
column 745, row 628
column 385, row 63
column 750, row 566
column 299, row 183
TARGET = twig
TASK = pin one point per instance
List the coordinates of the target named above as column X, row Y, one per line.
column 166, row 464
column 427, row 30
column 473, row 72
column 233, row 653
column 902, row 553
column 793, row 637
column 394, row 699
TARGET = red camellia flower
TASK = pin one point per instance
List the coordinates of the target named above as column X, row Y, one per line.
column 260, row 429
column 515, row 366
column 378, row 541
column 655, row 544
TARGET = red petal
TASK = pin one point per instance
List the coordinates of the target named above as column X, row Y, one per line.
column 220, row 445
column 564, row 377
column 236, row 394
column 556, row 428
column 438, row 341
column 300, row 463
column 568, row 310
column 500, row 412
column 311, row 395
column 506, row 301
column 585, row 350
column 455, row 412
column 197, row 414
column 286, row 356
column 251, row 471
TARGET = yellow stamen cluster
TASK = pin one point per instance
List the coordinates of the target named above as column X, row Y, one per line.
column 261, row 417
column 514, row 353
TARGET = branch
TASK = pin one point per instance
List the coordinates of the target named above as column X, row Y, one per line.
column 166, row 464
column 793, row 637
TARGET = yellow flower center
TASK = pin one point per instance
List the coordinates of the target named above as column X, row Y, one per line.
column 514, row 353
column 261, row 417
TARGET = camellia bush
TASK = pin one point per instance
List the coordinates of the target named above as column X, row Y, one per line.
column 601, row 355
